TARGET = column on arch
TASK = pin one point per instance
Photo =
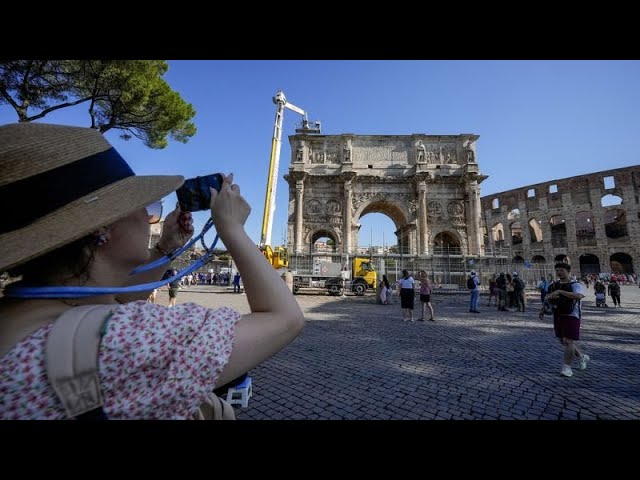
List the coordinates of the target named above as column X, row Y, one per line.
column 299, row 207
column 347, row 216
column 423, row 244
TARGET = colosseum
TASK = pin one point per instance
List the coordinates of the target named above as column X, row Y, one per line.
column 591, row 221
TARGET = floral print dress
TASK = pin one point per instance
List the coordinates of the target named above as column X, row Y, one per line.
column 154, row 363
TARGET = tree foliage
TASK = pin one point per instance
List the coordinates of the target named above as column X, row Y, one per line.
column 127, row 95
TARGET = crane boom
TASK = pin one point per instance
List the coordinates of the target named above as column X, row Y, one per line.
column 272, row 180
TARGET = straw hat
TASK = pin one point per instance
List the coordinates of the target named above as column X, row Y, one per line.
column 59, row 183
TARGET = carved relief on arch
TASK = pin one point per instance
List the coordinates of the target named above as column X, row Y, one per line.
column 361, row 197
column 333, row 207
column 314, row 207
column 455, row 209
column 407, row 199
column 434, row 208
column 305, row 232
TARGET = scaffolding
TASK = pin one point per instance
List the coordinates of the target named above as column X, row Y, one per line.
column 446, row 266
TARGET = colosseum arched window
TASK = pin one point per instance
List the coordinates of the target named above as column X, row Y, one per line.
column 514, row 214
column 610, row 200
column 497, row 231
column 558, row 231
column 615, row 223
column 621, row 263
column 516, row 233
column 535, row 230
column 585, row 230
column 589, row 264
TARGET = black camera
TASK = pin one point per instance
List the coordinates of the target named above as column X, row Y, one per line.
column 194, row 194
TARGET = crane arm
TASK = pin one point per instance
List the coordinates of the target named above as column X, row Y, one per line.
column 291, row 106
column 276, row 142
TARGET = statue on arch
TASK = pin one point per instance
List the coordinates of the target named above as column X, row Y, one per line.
column 421, row 151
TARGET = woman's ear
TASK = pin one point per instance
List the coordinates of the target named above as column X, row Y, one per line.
column 101, row 236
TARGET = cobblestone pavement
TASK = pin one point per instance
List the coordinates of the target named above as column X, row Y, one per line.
column 358, row 360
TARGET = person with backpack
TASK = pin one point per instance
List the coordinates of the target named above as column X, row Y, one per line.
column 83, row 234
column 600, row 292
column 614, row 292
column 501, row 286
column 518, row 288
column 564, row 296
column 472, row 284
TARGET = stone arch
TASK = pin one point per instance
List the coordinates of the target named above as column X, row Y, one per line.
column 392, row 207
column 324, row 231
column 445, row 241
column 558, row 231
column 517, row 259
column 514, row 214
column 516, row 233
column 609, row 200
column 395, row 210
column 538, row 259
column 585, row 230
column 589, row 264
column 615, row 223
column 336, row 179
column 497, row 233
column 621, row 263
column 535, row 231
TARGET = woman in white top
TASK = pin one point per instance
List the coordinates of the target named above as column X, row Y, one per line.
column 406, row 295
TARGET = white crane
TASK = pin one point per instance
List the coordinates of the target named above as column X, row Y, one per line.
column 270, row 198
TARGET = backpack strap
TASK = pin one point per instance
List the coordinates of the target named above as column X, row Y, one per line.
column 71, row 356
column 215, row 408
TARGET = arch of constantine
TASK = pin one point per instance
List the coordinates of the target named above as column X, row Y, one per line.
column 428, row 185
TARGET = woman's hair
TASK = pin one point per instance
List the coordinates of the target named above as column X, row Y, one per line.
column 59, row 266
column 405, row 272
column 385, row 281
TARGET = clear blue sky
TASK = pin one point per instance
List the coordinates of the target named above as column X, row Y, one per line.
column 537, row 120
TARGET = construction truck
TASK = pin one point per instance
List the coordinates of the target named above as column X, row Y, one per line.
column 278, row 256
column 334, row 278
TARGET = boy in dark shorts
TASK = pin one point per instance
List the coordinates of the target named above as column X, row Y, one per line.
column 565, row 295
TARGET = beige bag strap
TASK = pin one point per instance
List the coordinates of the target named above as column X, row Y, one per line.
column 72, row 365
column 71, row 355
column 215, row 408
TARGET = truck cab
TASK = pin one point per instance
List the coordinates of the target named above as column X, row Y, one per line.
column 363, row 276
column 278, row 257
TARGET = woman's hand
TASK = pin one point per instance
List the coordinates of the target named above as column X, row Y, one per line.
column 229, row 209
column 177, row 230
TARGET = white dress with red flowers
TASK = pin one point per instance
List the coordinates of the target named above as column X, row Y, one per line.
column 154, row 363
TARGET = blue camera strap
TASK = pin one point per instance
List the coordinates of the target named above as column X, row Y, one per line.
column 176, row 253
column 80, row 292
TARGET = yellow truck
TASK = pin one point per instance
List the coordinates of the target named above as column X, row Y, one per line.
column 334, row 279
